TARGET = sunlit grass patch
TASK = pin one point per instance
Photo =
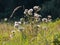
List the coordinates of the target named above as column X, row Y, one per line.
column 32, row 34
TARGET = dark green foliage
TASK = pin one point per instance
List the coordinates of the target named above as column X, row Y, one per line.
column 48, row 7
column 51, row 7
column 56, row 40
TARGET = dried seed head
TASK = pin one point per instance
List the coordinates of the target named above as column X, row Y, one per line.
column 44, row 20
column 30, row 12
column 49, row 16
column 13, row 31
column 5, row 19
column 26, row 11
column 37, row 15
column 36, row 8
column 49, row 20
column 16, row 24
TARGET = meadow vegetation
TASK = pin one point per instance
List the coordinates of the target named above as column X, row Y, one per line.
column 42, row 34
column 34, row 31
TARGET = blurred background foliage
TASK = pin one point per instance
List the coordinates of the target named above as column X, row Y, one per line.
column 49, row 7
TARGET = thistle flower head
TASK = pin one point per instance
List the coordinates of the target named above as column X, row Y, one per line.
column 37, row 8
column 5, row 19
column 19, row 22
column 21, row 19
column 44, row 20
column 16, row 25
column 40, row 16
column 37, row 15
column 49, row 16
column 26, row 11
column 30, row 11
column 16, row 22
column 49, row 20
column 13, row 31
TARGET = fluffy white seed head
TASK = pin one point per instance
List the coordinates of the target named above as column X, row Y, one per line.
column 37, row 8
column 26, row 11
column 19, row 22
column 21, row 19
column 13, row 31
column 44, row 20
column 16, row 24
column 37, row 15
column 5, row 19
column 30, row 11
column 49, row 20
column 49, row 16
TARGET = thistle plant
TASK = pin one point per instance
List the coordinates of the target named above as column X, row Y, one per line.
column 33, row 16
column 49, row 18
